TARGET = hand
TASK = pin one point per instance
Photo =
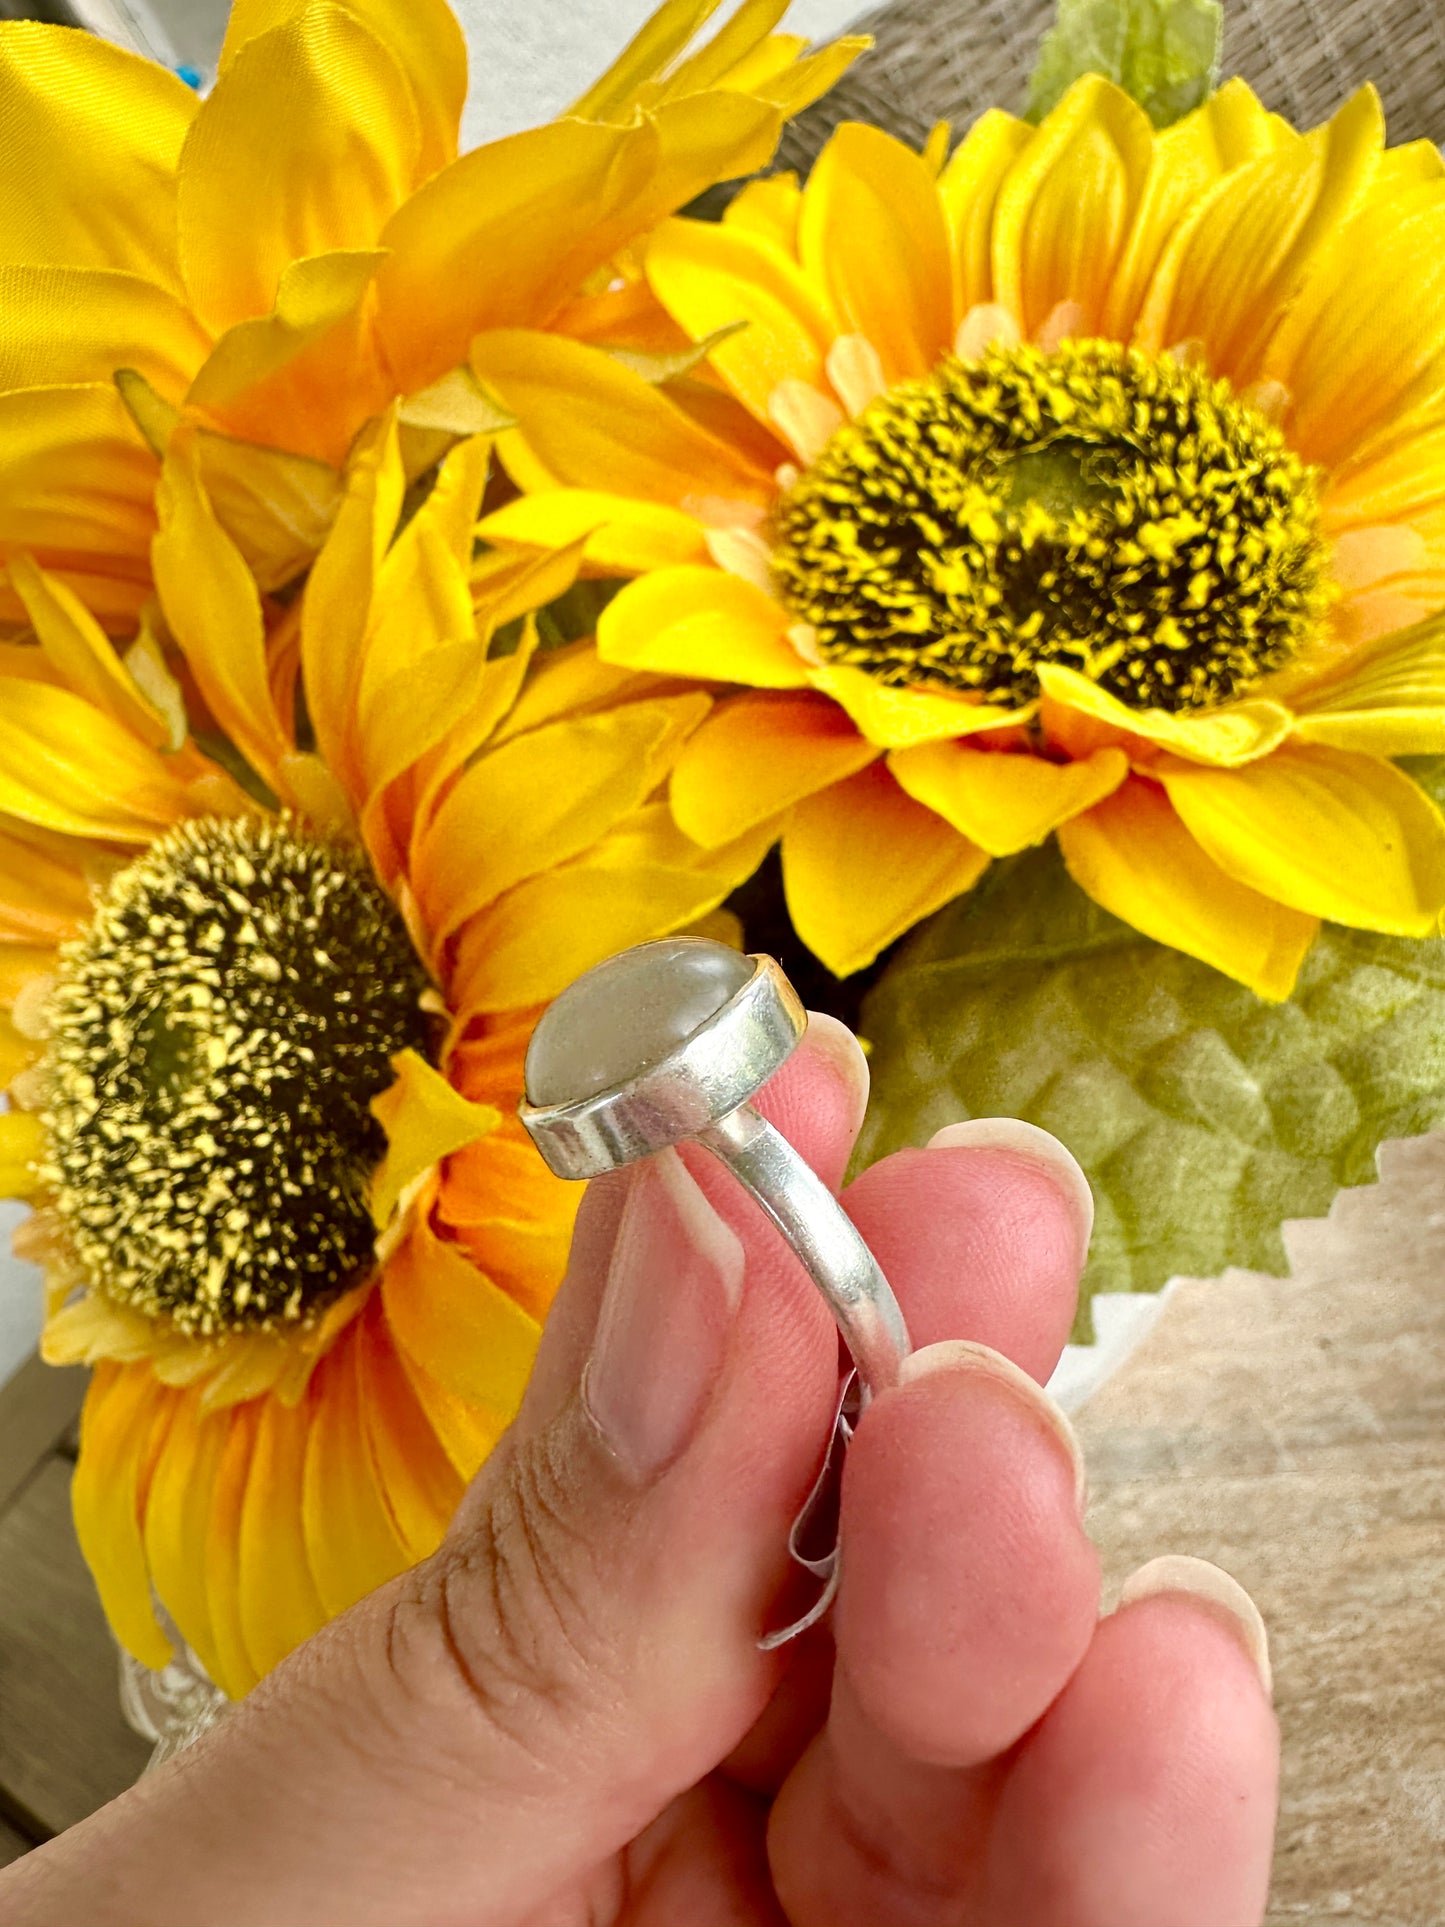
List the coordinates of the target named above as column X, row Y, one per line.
column 564, row 1717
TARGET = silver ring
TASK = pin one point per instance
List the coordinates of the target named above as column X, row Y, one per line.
column 666, row 1044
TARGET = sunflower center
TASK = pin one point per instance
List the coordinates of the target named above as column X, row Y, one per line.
column 1119, row 513
column 218, row 1034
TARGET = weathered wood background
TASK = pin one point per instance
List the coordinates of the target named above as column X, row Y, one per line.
column 1293, row 1430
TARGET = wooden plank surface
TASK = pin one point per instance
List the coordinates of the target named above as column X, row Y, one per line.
column 38, row 1408
column 12, row 1844
column 1293, row 1430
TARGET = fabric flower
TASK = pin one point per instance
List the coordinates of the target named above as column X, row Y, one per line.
column 272, row 914
column 278, row 262
column 1093, row 484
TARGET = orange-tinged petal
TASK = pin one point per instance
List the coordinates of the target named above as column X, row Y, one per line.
column 588, row 422
column 872, row 234
column 703, row 623
column 1235, row 733
column 568, row 682
column 1005, row 802
column 418, row 1482
column 1356, row 364
column 213, row 610
column 77, row 487
column 710, row 276
column 623, row 536
column 22, row 1146
column 1067, row 205
column 968, row 188
column 756, row 756
column 81, row 653
column 1134, row 856
column 67, row 766
column 121, row 1430
column 1329, row 832
column 16, row 1053
column 411, row 712
column 352, row 1545
column 306, row 376
column 561, row 787
column 862, row 863
column 424, row 1120
column 92, row 137
column 314, row 131
column 1231, row 268
column 465, row 1433
column 277, row 1601
column 644, row 880
column 456, row 1324
column 502, row 237
column 897, row 718
column 44, row 897
column 75, row 324
column 423, row 35
column 177, row 1514
column 237, row 1671
column 21, row 964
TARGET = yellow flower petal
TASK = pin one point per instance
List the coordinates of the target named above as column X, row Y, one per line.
column 862, row 863
column 122, row 1425
column 306, row 376
column 1387, row 698
column 77, row 489
column 588, row 422
column 769, row 209
column 424, row 1120
column 968, row 188
column 423, row 35
column 73, row 324
column 178, row 1508
column 237, row 1671
column 277, row 1601
column 213, row 611
column 1236, row 733
column 755, row 757
column 87, row 167
column 622, row 536
column 569, row 682
column 43, row 892
column 1067, row 205
column 1331, row 833
column 21, row 965
column 644, row 880
column 897, row 718
column 652, row 49
column 457, row 1325
column 1229, row 130
column 1232, row 267
column 83, row 656
column 314, row 132
column 707, row 275
column 702, row 623
column 420, row 1486
column 562, row 786
column 1005, row 802
column 66, row 766
column 22, row 1146
column 872, row 234
column 352, row 1545
column 1356, row 364
column 1134, row 856
column 465, row 1434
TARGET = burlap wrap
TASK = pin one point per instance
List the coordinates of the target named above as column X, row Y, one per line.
column 950, row 59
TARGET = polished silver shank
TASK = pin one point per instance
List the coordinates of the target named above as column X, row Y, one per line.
column 824, row 1237
column 723, row 1064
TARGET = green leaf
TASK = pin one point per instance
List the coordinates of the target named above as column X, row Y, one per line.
column 1203, row 1116
column 1163, row 52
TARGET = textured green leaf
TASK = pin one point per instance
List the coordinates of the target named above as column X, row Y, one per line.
column 1203, row 1116
column 1163, row 52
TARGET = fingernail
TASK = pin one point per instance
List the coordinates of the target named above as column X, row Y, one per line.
column 1177, row 1572
column 1026, row 1141
column 673, row 1286
column 963, row 1355
column 833, row 1040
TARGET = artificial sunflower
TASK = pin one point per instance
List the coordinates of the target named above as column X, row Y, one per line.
column 1093, row 485
column 279, row 262
column 262, row 1013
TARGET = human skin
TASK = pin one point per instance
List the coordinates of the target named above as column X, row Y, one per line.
column 563, row 1718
